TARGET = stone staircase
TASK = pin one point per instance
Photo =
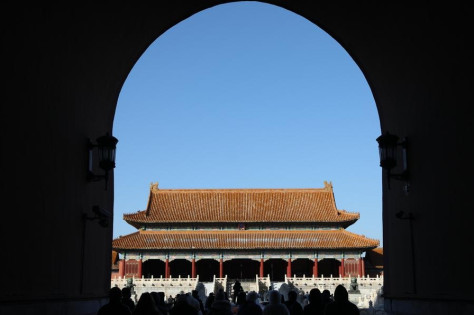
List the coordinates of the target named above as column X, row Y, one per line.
column 247, row 285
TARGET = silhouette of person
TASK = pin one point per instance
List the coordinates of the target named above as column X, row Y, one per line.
column 208, row 303
column 275, row 306
column 159, row 298
column 237, row 289
column 241, row 300
column 115, row 305
column 146, row 305
column 127, row 298
column 326, row 298
column 195, row 295
column 341, row 304
column 221, row 305
column 250, row 307
column 294, row 307
column 315, row 306
column 183, row 306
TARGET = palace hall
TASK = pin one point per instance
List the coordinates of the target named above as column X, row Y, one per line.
column 241, row 233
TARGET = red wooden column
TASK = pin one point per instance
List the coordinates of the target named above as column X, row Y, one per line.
column 288, row 268
column 343, row 274
column 363, row 267
column 121, row 268
column 221, row 268
column 167, row 268
column 193, row 268
column 359, row 265
column 315, row 268
column 139, row 268
column 261, row 267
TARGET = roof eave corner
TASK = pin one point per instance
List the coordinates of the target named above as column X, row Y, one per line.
column 133, row 223
column 346, row 224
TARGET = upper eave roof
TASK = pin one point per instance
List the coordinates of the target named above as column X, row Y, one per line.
column 243, row 240
column 242, row 206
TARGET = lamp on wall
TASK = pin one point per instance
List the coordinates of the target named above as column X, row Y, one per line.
column 106, row 147
column 101, row 215
column 390, row 156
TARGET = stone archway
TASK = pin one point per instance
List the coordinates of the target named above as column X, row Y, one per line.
column 417, row 64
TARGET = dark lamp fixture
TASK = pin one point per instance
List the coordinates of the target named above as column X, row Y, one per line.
column 106, row 147
column 404, row 216
column 101, row 215
column 390, row 155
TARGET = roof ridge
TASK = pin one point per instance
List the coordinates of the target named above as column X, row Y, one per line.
column 237, row 189
column 236, row 232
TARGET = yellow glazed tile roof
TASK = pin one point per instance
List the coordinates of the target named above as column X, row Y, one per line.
column 246, row 239
column 241, row 205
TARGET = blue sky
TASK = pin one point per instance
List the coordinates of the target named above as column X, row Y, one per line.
column 248, row 95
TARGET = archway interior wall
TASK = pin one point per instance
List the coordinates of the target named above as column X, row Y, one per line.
column 416, row 64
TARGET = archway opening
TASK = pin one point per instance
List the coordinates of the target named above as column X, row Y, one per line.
column 241, row 269
column 267, row 121
column 302, row 267
column 276, row 268
column 154, row 268
column 207, row 269
column 180, row 268
column 329, row 267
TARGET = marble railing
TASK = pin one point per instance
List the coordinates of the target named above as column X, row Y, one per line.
column 173, row 286
column 169, row 286
column 330, row 283
column 157, row 282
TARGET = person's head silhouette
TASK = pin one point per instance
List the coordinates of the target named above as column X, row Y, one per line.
column 340, row 294
column 292, row 295
column 315, row 296
column 115, row 295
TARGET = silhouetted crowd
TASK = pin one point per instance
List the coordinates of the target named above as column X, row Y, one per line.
column 242, row 303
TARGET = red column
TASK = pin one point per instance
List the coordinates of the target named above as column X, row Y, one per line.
column 167, row 268
column 315, row 268
column 193, row 268
column 261, row 267
column 288, row 268
column 363, row 267
column 121, row 268
column 342, row 268
column 139, row 268
column 359, row 265
column 221, row 268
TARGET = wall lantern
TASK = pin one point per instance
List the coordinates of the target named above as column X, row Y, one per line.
column 106, row 147
column 101, row 215
column 390, row 156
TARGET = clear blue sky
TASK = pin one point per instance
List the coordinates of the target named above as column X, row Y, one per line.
column 248, row 95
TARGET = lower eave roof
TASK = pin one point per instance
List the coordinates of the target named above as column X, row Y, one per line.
column 243, row 240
